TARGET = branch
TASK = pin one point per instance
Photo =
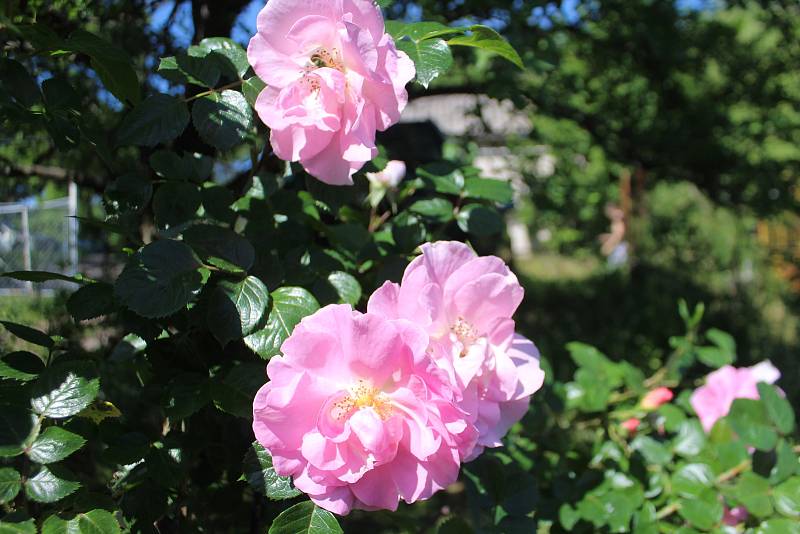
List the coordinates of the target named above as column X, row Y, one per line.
column 51, row 172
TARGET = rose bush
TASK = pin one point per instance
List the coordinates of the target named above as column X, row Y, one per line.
column 394, row 352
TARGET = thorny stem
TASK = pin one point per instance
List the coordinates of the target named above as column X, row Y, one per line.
column 231, row 85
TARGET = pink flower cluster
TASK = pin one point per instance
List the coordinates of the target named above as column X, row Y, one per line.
column 713, row 400
column 365, row 409
column 333, row 78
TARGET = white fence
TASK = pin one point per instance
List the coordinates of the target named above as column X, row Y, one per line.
column 38, row 236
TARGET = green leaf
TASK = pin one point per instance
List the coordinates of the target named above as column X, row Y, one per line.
column 779, row 526
column 187, row 394
column 785, row 464
column 11, row 526
column 17, row 425
column 192, row 67
column 236, row 308
column 690, row 439
column 53, row 445
column 234, row 394
column 50, row 484
column 221, row 247
column 346, row 286
column 223, row 120
column 64, row 390
column 419, row 31
column 778, row 408
column 703, row 511
column 189, row 167
column 159, row 280
column 305, row 518
column 97, row 522
column 17, row 82
column 289, row 306
column 262, row 477
column 432, row 58
column 175, row 203
column 157, row 119
column 753, row 492
column 568, row 516
column 456, row 525
column 479, row 220
column 90, row 301
column 443, row 177
column 230, row 55
column 21, row 365
column 787, row 498
column 653, row 452
column 31, row 335
column 748, row 419
column 112, row 64
column 438, row 209
column 488, row 39
column 489, row 189
column 10, row 484
column 41, row 276
column 130, row 192
column 692, row 479
column 251, row 88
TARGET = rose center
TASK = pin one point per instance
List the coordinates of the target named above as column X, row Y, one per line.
column 465, row 333
column 321, row 57
column 362, row 395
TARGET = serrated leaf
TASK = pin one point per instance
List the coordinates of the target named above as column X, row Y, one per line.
column 778, row 408
column 130, row 192
column 50, row 484
column 489, row 189
column 251, row 88
column 64, row 390
column 749, row 419
column 703, row 511
column 439, row 209
column 753, row 492
column 221, row 247
column 262, row 477
column 159, row 280
column 17, row 82
column 21, row 365
column 778, row 526
column 431, row 57
column 41, row 276
column 305, row 518
column 419, row 31
column 97, row 522
column 91, row 301
column 690, row 439
column 234, row 394
column 157, row 119
column 488, row 39
column 175, row 203
column 188, row 68
column 236, row 308
column 456, row 525
column 692, row 479
column 187, row 166
column 21, row 526
column 10, row 484
column 31, row 335
column 17, row 425
column 480, row 220
column 223, row 119
column 229, row 55
column 186, row 394
column 112, row 64
column 289, row 306
column 346, row 286
column 53, row 445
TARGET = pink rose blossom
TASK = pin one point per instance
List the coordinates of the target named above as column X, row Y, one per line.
column 465, row 304
column 391, row 175
column 656, row 398
column 631, row 425
column 723, row 386
column 333, row 78
column 358, row 414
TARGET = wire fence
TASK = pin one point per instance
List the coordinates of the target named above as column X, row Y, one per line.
column 38, row 236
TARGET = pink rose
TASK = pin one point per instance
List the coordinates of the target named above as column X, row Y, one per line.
column 391, row 175
column 656, row 398
column 734, row 516
column 358, row 414
column 723, row 386
column 333, row 78
column 465, row 304
column 631, row 425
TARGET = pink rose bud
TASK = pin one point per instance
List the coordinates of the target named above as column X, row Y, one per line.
column 656, row 398
column 391, row 175
column 631, row 425
column 723, row 386
column 333, row 78
column 358, row 414
column 465, row 303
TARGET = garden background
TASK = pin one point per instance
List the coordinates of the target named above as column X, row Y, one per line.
column 652, row 149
